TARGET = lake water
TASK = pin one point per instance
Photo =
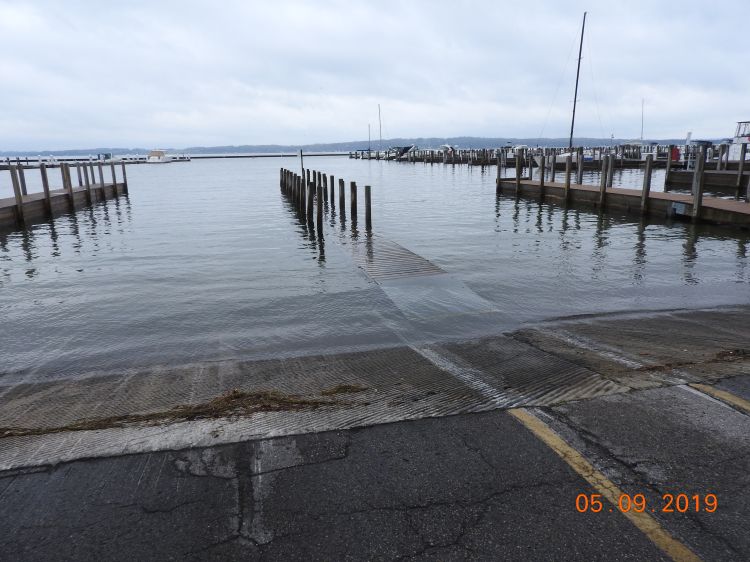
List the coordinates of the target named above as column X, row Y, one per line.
column 206, row 260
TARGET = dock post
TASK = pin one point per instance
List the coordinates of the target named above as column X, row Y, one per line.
column 611, row 169
column 310, row 201
column 603, row 181
column 518, row 173
column 101, row 175
column 45, row 187
column 530, row 160
column 646, row 184
column 579, row 166
column 498, row 189
column 17, row 193
column 124, row 179
column 325, row 188
column 368, row 209
column 669, row 167
column 741, row 170
column 541, row 176
column 87, row 183
column 319, row 208
column 333, row 204
column 114, row 177
column 353, row 193
column 68, row 184
column 697, row 189
column 342, row 202
column 554, row 165
column 78, row 171
column 22, row 179
column 568, row 168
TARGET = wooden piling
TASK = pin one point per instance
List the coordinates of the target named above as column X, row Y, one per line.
column 353, row 194
column 579, row 166
column 740, row 171
column 368, row 209
column 646, row 184
column 333, row 204
column 518, row 173
column 17, row 194
column 541, row 176
column 45, row 187
column 114, row 177
column 554, row 165
column 101, row 175
column 603, row 183
column 310, row 201
column 498, row 187
column 611, row 169
column 78, row 172
column 568, row 168
column 88, row 184
column 124, row 179
column 531, row 167
column 68, row 184
column 319, row 207
column 342, row 202
column 697, row 188
column 325, row 188
column 22, row 180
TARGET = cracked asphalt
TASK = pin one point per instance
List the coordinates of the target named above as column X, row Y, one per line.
column 473, row 486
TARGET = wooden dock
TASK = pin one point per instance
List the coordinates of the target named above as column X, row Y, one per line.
column 694, row 206
column 26, row 208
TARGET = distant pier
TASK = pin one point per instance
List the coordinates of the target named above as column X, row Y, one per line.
column 89, row 186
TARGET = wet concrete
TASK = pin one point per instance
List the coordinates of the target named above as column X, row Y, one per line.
column 475, row 486
column 282, row 485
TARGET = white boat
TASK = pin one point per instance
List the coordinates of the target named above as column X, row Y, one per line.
column 741, row 136
column 158, row 157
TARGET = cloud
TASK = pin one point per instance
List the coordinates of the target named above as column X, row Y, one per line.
column 82, row 74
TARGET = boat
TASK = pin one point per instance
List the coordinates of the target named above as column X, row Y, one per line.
column 741, row 136
column 158, row 157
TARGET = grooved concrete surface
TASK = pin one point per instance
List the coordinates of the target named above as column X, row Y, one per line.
column 281, row 485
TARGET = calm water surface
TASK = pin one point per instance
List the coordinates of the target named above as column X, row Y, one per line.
column 205, row 260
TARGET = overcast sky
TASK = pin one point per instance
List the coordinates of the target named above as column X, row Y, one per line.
column 177, row 74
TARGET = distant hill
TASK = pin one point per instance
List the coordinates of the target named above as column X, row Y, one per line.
column 421, row 142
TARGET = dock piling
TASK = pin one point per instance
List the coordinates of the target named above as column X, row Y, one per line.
column 342, row 201
column 518, row 173
column 368, row 209
column 18, row 195
column 646, row 184
column 541, row 176
column 45, row 187
column 603, row 181
column 22, row 179
column 697, row 188
column 353, row 193
column 568, row 168
column 310, row 201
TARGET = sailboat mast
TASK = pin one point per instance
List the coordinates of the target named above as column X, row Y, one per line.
column 380, row 131
column 642, row 102
column 578, row 74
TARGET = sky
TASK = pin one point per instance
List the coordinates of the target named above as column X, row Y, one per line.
column 129, row 74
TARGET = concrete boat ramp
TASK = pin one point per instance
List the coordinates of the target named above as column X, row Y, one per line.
column 525, row 445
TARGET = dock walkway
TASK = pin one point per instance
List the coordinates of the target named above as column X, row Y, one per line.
column 712, row 209
column 25, row 208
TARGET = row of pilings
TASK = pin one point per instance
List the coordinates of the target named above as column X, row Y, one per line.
column 309, row 194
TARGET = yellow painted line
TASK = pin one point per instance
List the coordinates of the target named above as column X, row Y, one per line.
column 724, row 396
column 647, row 524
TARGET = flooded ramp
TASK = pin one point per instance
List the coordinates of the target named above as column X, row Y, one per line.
column 384, row 260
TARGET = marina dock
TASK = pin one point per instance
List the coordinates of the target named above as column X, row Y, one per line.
column 25, row 208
